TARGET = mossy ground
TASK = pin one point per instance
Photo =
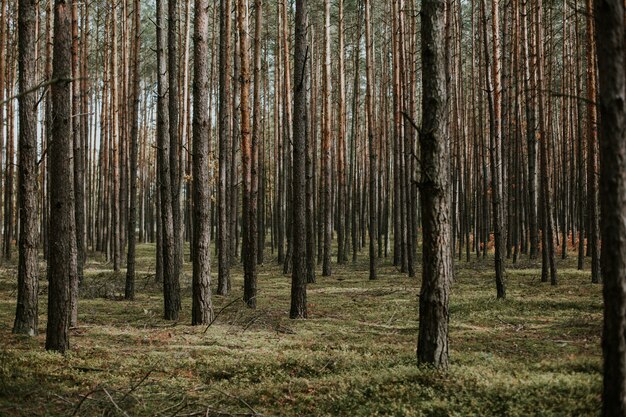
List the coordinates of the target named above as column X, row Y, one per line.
column 535, row 353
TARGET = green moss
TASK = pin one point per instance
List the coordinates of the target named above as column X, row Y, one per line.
column 535, row 353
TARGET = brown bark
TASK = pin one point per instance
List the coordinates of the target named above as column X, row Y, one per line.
column 129, row 291
column 432, row 345
column 299, row 266
column 249, row 223
column 202, row 307
column 171, row 286
column 326, row 148
column 372, row 142
column 223, row 233
column 61, row 269
column 26, row 314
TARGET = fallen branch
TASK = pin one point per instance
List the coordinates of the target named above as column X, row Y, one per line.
column 114, row 403
column 220, row 312
column 133, row 388
column 248, row 406
column 93, row 391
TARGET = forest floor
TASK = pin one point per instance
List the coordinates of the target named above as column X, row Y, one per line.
column 535, row 353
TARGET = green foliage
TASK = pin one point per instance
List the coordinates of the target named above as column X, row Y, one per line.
column 536, row 353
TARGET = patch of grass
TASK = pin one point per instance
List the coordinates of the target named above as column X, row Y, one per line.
column 535, row 353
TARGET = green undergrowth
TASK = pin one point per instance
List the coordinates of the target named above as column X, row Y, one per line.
column 535, row 353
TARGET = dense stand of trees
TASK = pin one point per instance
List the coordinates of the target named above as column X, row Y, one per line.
column 307, row 133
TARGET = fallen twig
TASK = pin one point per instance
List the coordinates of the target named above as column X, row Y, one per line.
column 220, row 312
column 113, row 401
column 248, row 406
column 133, row 388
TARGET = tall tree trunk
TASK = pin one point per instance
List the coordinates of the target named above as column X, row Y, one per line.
column 493, row 82
column 299, row 265
column 341, row 143
column 249, row 203
column 611, row 36
column 432, row 344
column 174, row 124
column 129, row 292
column 372, row 142
column 171, row 286
column 79, row 168
column 326, row 147
column 61, row 267
column 592, row 143
column 202, row 307
column 223, row 232
column 26, row 313
column 548, row 261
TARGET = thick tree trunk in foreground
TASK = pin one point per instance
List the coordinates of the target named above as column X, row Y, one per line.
column 61, row 269
column 432, row 345
column 202, row 307
column 26, row 314
column 299, row 265
column 612, row 77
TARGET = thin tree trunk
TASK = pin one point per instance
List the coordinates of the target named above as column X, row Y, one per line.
column 299, row 268
column 326, row 148
column 129, row 292
column 223, row 232
column 371, row 132
column 249, row 202
column 27, row 309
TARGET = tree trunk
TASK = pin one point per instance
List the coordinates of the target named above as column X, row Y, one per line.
column 174, row 150
column 326, row 148
column 432, row 345
column 592, row 143
column 249, row 202
column 61, row 268
column 372, row 142
column 129, row 292
column 202, row 307
column 26, row 313
column 611, row 51
column 171, row 286
column 299, row 265
column 223, row 232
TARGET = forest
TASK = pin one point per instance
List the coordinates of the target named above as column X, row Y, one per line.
column 312, row 208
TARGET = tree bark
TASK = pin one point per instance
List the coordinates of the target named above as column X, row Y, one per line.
column 299, row 265
column 129, row 291
column 249, row 201
column 61, row 268
column 372, row 142
column 326, row 148
column 26, row 314
column 432, row 345
column 171, row 286
column 611, row 37
column 223, row 233
column 202, row 307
